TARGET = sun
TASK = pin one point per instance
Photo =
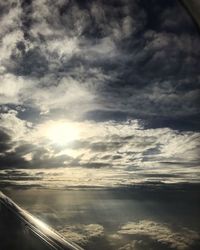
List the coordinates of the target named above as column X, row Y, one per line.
column 61, row 132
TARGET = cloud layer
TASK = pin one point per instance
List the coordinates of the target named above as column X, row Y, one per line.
column 143, row 233
column 126, row 73
column 110, row 153
column 111, row 52
column 161, row 233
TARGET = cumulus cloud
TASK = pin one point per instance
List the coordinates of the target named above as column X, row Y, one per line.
column 162, row 233
column 82, row 234
column 14, row 126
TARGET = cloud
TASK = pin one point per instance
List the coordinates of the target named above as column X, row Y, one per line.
column 12, row 88
column 5, row 141
column 129, row 246
column 117, row 42
column 130, row 83
column 162, row 233
column 15, row 127
column 10, row 31
column 82, row 234
column 123, row 153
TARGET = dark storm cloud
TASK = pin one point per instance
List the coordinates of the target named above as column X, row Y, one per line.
column 31, row 63
column 9, row 159
column 12, row 156
column 12, row 160
column 26, row 18
column 4, row 141
column 16, row 175
column 182, row 122
column 40, row 158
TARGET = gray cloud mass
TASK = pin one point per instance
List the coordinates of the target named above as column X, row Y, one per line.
column 126, row 73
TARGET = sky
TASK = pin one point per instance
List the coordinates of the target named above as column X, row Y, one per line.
column 98, row 93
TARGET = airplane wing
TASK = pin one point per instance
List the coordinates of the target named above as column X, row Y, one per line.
column 193, row 8
column 19, row 230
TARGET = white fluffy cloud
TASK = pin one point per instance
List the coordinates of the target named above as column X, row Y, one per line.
column 15, row 127
column 82, row 234
column 162, row 233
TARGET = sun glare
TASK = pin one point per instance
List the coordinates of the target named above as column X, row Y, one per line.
column 62, row 132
